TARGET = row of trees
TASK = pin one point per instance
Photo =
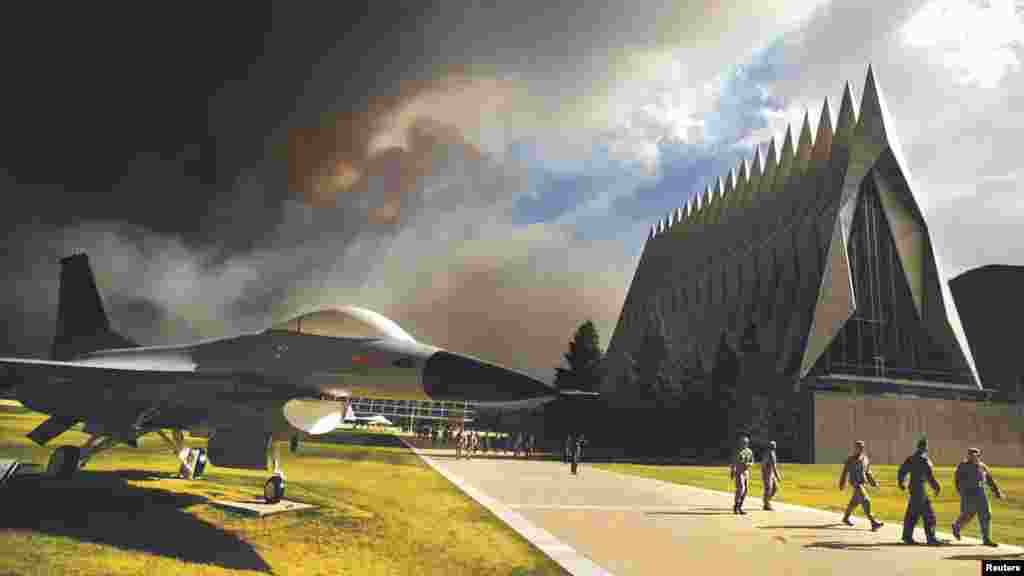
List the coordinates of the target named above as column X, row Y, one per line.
column 687, row 403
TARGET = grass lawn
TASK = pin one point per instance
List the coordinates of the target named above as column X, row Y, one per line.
column 817, row 486
column 381, row 511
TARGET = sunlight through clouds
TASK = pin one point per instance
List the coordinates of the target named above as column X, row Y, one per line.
column 979, row 41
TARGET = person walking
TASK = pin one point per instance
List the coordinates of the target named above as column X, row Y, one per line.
column 858, row 470
column 739, row 472
column 770, row 475
column 577, row 452
column 567, row 453
column 920, row 469
column 970, row 478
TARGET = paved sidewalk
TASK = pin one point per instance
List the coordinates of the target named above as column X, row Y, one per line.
column 624, row 525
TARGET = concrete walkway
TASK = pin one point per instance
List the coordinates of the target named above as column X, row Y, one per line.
column 607, row 523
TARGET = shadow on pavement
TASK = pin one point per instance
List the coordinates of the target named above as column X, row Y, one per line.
column 488, row 457
column 100, row 507
column 986, row 557
column 829, row 526
column 690, row 513
column 836, row 545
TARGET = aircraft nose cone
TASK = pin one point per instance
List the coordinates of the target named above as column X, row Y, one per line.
column 448, row 376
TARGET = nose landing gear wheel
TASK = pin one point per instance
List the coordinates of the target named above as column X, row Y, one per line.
column 63, row 462
column 273, row 490
column 196, row 463
column 200, row 463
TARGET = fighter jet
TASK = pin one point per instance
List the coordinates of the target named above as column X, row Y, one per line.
column 242, row 392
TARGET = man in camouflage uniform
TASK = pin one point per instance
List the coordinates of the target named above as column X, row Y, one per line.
column 858, row 470
column 971, row 476
column 770, row 476
column 920, row 469
column 739, row 471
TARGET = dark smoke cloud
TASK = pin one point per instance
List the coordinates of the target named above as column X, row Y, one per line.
column 372, row 174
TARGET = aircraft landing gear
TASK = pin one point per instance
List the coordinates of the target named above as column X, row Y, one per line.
column 193, row 460
column 66, row 460
column 273, row 490
column 63, row 462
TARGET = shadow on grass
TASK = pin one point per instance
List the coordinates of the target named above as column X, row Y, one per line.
column 358, row 439
column 100, row 507
column 368, row 455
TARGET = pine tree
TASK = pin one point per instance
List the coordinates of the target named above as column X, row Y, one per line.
column 584, row 359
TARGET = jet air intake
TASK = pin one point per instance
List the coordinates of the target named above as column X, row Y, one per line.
column 448, row 376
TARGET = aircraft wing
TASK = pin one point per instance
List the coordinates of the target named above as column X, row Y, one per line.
column 38, row 368
column 571, row 393
column 74, row 392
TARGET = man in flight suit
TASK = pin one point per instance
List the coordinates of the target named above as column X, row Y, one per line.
column 971, row 476
column 858, row 470
column 770, row 476
column 919, row 467
column 740, row 472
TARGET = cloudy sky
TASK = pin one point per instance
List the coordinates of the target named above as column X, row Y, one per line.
column 485, row 176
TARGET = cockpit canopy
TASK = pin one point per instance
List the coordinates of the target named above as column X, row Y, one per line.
column 345, row 322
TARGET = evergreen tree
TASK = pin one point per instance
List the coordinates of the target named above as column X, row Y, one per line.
column 650, row 365
column 584, row 359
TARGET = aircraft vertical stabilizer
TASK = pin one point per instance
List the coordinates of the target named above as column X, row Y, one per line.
column 82, row 324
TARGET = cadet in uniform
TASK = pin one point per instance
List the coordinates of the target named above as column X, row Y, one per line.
column 740, row 472
column 919, row 466
column 770, row 475
column 971, row 476
column 577, row 452
column 858, row 470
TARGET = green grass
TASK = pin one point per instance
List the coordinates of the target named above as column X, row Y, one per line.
column 817, row 486
column 382, row 511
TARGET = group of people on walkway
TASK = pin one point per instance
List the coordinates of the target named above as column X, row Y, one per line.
column 471, row 442
column 739, row 472
column 970, row 479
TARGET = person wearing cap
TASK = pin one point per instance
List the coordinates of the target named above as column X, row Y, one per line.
column 739, row 471
column 971, row 476
column 920, row 469
column 858, row 470
column 770, row 476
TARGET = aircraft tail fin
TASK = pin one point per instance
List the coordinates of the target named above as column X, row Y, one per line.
column 82, row 324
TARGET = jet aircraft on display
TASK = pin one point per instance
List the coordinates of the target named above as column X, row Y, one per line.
column 242, row 392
